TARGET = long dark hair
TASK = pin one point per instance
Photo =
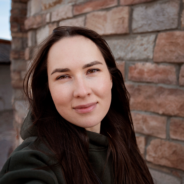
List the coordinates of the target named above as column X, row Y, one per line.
column 64, row 138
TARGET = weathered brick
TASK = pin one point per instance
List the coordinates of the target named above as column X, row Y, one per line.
column 18, row 119
column 29, row 64
column 35, row 7
column 18, row 5
column 157, row 99
column 52, row 26
column 73, row 22
column 22, row 1
column 18, row 12
column 31, row 38
column 48, row 15
column 14, row 27
column 17, row 54
column 63, row 12
column 15, row 75
column 17, row 83
column 35, row 21
column 156, row 16
column 148, row 72
column 21, row 106
column 93, row 5
column 42, row 34
column 19, row 35
column 181, row 77
column 132, row 48
column 18, row 94
column 169, row 47
column 23, row 73
column 150, row 124
column 177, row 129
column 166, row 154
column 115, row 21
column 182, row 19
column 163, row 178
column 17, row 43
column 141, row 142
column 130, row 2
column 18, row 65
column 47, row 4
column 28, row 53
column 17, row 19
column 121, row 67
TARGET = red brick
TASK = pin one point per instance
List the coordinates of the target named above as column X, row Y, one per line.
column 17, row 83
column 18, row 12
column 14, row 27
column 15, row 19
column 22, row 1
column 177, row 129
column 17, row 54
column 52, row 3
column 166, row 154
column 157, row 99
column 182, row 19
column 79, row 21
column 27, row 53
column 19, row 35
column 93, row 5
column 141, row 142
column 14, row 54
column 18, row 5
column 63, row 12
column 115, row 21
column 150, row 124
column 35, row 21
column 16, row 44
column 169, row 47
column 130, row 2
column 15, row 76
column 51, row 27
column 121, row 67
column 181, row 77
column 148, row 72
column 18, row 119
column 18, row 65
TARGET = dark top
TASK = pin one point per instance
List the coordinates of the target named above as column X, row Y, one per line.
column 23, row 164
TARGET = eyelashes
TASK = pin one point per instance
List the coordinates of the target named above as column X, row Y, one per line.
column 90, row 71
column 93, row 70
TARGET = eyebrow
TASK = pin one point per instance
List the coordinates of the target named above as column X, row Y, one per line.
column 85, row 66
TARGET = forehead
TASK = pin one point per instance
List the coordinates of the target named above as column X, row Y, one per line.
column 72, row 51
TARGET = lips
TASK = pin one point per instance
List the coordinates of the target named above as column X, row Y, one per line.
column 84, row 106
column 81, row 109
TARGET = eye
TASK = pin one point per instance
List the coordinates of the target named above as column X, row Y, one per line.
column 62, row 77
column 93, row 71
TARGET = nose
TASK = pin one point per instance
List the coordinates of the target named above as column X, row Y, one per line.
column 81, row 89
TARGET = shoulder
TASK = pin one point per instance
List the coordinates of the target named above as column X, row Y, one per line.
column 27, row 163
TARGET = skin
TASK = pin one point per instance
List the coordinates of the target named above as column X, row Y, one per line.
column 80, row 83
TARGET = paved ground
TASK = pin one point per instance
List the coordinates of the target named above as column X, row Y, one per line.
column 7, row 135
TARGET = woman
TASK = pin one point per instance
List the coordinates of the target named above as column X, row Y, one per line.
column 80, row 128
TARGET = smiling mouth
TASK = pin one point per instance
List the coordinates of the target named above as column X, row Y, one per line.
column 85, row 108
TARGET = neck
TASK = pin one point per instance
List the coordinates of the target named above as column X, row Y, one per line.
column 95, row 129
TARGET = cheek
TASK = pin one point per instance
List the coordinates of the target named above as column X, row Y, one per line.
column 60, row 95
column 103, row 89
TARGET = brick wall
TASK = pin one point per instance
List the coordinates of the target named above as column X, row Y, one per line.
column 18, row 61
column 147, row 39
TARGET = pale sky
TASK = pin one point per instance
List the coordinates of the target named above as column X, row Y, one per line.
column 5, row 6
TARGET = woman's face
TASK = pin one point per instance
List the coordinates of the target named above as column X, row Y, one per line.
column 79, row 82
